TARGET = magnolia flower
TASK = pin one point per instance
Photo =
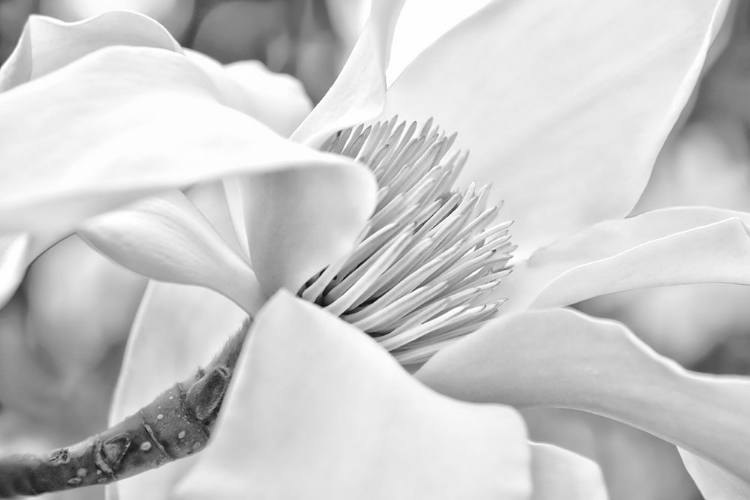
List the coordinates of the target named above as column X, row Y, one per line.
column 313, row 398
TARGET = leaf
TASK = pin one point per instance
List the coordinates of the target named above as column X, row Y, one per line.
column 564, row 107
column 317, row 401
column 561, row 358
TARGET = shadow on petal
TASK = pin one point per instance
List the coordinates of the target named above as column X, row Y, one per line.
column 565, row 359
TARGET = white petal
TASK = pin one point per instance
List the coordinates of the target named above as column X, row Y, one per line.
column 562, row 358
column 277, row 100
column 563, row 106
column 122, row 123
column 318, row 410
column 47, row 44
column 664, row 247
column 13, row 261
column 167, row 238
column 300, row 222
column 358, row 94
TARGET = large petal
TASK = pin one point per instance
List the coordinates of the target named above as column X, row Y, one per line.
column 167, row 238
column 47, row 44
column 566, row 359
column 564, row 107
column 420, row 23
column 715, row 483
column 178, row 329
column 562, row 475
column 124, row 122
column 358, row 94
column 664, row 247
column 318, row 410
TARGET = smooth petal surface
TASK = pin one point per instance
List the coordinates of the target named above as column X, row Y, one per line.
column 715, row 483
column 563, row 106
column 125, row 122
column 277, row 100
column 13, row 251
column 562, row 475
column 297, row 224
column 420, row 23
column 318, row 410
column 664, row 247
column 47, row 44
column 358, row 94
column 565, row 359
column 178, row 329
column 168, row 239
column 210, row 198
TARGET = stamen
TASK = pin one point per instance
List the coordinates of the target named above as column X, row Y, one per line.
column 423, row 272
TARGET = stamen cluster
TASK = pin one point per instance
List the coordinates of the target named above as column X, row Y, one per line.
column 423, row 270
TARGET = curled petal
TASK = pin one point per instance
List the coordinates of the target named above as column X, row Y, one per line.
column 565, row 359
column 167, row 238
column 210, row 198
column 665, row 247
column 47, row 44
column 122, row 123
column 358, row 94
column 300, row 222
column 562, row 475
column 563, row 107
column 316, row 409
column 176, row 330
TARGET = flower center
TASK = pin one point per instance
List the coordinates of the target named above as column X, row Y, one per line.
column 422, row 272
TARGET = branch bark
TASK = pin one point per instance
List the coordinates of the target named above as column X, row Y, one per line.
column 176, row 424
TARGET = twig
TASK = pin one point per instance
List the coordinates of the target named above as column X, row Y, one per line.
column 176, row 424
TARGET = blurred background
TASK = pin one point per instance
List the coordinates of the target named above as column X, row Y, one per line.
column 59, row 361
